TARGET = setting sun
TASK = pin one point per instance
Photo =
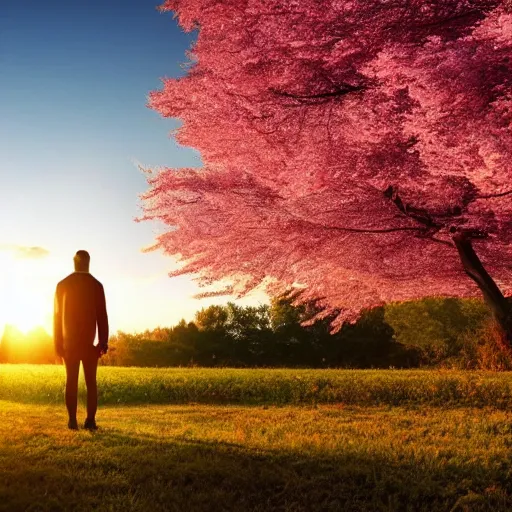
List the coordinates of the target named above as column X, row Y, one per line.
column 25, row 294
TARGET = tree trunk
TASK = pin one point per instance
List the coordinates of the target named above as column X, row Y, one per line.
column 474, row 268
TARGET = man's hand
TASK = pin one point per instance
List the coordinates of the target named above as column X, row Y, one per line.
column 59, row 351
column 101, row 349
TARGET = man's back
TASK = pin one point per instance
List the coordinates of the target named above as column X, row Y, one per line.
column 79, row 308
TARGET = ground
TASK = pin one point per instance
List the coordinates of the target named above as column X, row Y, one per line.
column 258, row 457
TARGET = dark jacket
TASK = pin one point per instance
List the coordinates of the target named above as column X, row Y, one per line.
column 79, row 307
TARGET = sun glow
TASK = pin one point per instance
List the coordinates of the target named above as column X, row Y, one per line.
column 26, row 293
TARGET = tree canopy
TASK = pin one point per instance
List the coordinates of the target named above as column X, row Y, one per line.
column 349, row 146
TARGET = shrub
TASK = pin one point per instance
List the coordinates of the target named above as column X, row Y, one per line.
column 485, row 349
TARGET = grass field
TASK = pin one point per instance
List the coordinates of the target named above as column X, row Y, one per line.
column 249, row 440
column 125, row 386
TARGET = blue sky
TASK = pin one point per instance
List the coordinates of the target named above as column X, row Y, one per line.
column 73, row 90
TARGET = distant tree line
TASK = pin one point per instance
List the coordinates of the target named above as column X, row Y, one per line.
column 430, row 332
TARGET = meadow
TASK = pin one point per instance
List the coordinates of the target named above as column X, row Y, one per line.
column 257, row 440
column 43, row 384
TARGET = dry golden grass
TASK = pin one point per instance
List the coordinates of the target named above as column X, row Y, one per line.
column 256, row 458
column 408, row 441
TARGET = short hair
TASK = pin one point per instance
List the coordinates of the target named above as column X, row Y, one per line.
column 82, row 260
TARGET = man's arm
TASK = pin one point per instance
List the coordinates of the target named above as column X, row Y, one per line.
column 102, row 319
column 57, row 325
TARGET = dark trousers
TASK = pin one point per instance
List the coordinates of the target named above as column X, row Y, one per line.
column 89, row 361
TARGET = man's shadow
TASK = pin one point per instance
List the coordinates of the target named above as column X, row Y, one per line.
column 111, row 470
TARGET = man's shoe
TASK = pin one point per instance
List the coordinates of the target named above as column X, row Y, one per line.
column 90, row 424
column 73, row 425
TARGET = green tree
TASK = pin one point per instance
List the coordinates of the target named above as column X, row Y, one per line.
column 436, row 326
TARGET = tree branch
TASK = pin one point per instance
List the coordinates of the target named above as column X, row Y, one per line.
column 340, row 91
column 493, row 196
column 474, row 13
column 347, row 230
column 368, row 231
column 417, row 214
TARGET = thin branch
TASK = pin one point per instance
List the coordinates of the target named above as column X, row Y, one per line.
column 348, row 230
column 493, row 196
column 308, row 98
column 369, row 231
column 417, row 214
column 474, row 13
column 439, row 241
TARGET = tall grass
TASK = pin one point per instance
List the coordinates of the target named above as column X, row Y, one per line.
column 125, row 386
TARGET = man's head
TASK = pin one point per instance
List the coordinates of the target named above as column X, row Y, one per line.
column 82, row 260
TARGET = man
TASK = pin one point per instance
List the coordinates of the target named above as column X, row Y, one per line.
column 79, row 307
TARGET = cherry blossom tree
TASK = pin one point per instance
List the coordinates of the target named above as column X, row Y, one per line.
column 361, row 149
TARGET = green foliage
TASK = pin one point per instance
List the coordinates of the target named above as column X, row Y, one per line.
column 213, row 318
column 264, row 336
column 173, row 346
column 433, row 325
column 450, row 332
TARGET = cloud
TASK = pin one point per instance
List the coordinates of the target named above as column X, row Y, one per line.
column 24, row 251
